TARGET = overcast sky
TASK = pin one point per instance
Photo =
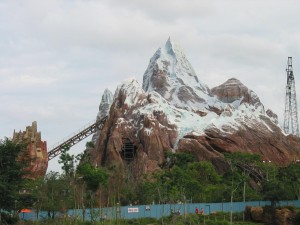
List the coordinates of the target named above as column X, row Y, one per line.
column 58, row 56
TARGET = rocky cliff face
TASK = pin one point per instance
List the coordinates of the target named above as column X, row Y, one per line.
column 36, row 150
column 173, row 111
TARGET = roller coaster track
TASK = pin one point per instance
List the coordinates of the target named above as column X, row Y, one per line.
column 75, row 138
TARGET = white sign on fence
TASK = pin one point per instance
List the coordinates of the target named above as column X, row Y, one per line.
column 133, row 210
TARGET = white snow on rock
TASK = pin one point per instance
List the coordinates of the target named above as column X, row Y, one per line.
column 171, row 75
column 168, row 77
column 131, row 89
column 106, row 101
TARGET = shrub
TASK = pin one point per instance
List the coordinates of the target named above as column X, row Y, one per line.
column 8, row 219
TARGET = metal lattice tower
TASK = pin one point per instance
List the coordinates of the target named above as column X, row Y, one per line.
column 290, row 112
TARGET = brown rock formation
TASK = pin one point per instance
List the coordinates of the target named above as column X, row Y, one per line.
column 148, row 134
column 143, row 123
column 271, row 145
column 233, row 90
column 152, row 132
column 282, row 216
column 36, row 150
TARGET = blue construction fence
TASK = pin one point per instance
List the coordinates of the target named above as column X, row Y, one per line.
column 154, row 211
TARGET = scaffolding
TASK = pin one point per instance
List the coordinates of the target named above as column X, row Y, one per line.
column 290, row 112
column 128, row 150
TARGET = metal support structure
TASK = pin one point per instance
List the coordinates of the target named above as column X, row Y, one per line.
column 290, row 112
column 82, row 134
column 128, row 150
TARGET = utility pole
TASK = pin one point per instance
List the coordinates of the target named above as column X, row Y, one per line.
column 290, row 112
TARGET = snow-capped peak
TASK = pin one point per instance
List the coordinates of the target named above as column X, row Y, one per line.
column 174, row 50
column 172, row 61
column 107, row 98
column 106, row 101
column 128, row 92
column 171, row 75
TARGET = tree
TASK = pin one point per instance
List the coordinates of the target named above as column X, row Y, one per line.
column 55, row 194
column 180, row 159
column 67, row 162
column 92, row 178
column 242, row 166
column 208, row 181
column 146, row 191
column 12, row 172
column 290, row 178
column 273, row 190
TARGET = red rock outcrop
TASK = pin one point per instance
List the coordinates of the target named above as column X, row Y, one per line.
column 36, row 151
column 233, row 90
column 149, row 134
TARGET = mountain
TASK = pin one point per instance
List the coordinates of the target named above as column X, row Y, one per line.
column 170, row 74
column 104, row 106
column 35, row 153
column 173, row 111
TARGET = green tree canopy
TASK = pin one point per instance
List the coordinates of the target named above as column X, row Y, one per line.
column 290, row 178
column 12, row 171
column 92, row 176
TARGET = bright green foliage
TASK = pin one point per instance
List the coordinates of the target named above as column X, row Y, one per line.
column 208, row 181
column 92, row 176
column 182, row 179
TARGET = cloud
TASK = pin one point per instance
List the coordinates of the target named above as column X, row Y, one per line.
column 168, row 10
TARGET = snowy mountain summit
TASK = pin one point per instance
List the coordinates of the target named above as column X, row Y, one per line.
column 174, row 111
column 172, row 76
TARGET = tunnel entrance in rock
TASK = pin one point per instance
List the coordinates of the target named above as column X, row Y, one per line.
column 128, row 150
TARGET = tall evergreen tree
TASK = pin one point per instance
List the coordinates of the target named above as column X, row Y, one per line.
column 12, row 172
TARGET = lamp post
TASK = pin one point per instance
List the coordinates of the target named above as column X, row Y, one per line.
column 267, row 163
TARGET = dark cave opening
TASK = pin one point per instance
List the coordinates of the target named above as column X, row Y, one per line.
column 128, row 151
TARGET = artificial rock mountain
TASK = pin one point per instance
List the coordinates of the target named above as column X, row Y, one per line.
column 173, row 111
column 36, row 151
